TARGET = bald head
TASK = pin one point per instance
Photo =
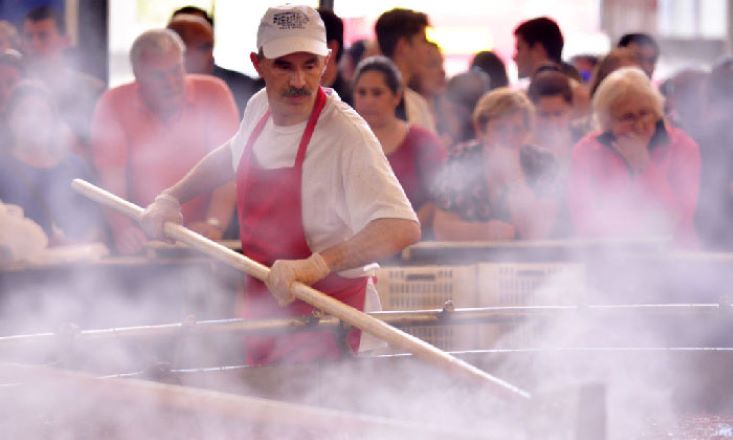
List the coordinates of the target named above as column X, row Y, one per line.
column 198, row 36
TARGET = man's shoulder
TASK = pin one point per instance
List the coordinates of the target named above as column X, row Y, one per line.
column 123, row 92
column 340, row 116
column 205, row 82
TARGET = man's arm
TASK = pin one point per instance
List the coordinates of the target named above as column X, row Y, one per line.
column 379, row 239
column 214, row 170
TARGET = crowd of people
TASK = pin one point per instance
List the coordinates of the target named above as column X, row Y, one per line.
column 585, row 147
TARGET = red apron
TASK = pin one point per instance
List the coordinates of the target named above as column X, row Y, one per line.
column 270, row 213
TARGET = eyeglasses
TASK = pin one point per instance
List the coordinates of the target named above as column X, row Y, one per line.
column 629, row 118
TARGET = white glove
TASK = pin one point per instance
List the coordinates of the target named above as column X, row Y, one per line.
column 165, row 208
column 285, row 272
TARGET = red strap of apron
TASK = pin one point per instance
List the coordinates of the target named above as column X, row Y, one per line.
column 307, row 133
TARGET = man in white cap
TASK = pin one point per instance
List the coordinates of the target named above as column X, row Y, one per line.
column 316, row 198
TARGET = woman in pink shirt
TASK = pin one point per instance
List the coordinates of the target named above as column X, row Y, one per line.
column 638, row 176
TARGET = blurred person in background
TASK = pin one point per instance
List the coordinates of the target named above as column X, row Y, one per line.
column 335, row 36
column 401, row 37
column 497, row 187
column 37, row 166
column 461, row 95
column 645, row 49
column 612, row 61
column 8, row 36
column 45, row 46
column 359, row 50
column 538, row 44
column 490, row 63
column 638, row 176
column 414, row 153
column 584, row 64
column 552, row 97
column 685, row 103
column 537, row 41
column 147, row 134
column 715, row 209
column 352, row 55
column 197, row 32
column 554, row 131
column 430, row 81
column 12, row 71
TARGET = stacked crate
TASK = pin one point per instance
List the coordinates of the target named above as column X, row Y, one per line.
column 524, row 284
column 430, row 287
column 479, row 285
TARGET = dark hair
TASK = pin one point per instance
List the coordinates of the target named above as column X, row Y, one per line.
column 194, row 10
column 615, row 59
column 385, row 66
column 549, row 83
column 640, row 39
column 464, row 90
column 490, row 63
column 334, row 29
column 46, row 12
column 544, row 31
column 395, row 24
column 356, row 50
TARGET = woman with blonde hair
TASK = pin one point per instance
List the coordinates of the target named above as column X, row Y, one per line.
column 496, row 187
column 637, row 176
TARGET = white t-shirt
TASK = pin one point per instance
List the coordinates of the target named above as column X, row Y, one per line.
column 418, row 111
column 347, row 180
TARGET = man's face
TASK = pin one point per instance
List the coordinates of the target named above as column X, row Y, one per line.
column 418, row 50
column 291, row 82
column 161, row 79
column 553, row 114
column 42, row 39
column 432, row 75
column 647, row 56
column 523, row 57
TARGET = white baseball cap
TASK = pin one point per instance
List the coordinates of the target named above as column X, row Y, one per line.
column 291, row 28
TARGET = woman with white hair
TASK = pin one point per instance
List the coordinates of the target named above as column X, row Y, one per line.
column 638, row 176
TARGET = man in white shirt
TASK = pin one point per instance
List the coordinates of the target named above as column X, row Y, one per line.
column 316, row 198
column 401, row 36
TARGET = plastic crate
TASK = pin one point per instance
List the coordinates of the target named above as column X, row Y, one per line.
column 426, row 287
column 528, row 284
column 429, row 287
column 524, row 284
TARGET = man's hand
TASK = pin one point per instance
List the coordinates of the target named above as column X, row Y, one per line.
column 285, row 272
column 165, row 208
column 634, row 149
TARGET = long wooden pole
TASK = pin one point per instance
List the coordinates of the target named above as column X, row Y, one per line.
column 123, row 396
column 319, row 300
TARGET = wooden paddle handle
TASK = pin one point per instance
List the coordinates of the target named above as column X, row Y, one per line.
column 319, row 300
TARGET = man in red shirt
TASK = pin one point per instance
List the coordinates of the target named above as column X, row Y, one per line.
column 147, row 134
